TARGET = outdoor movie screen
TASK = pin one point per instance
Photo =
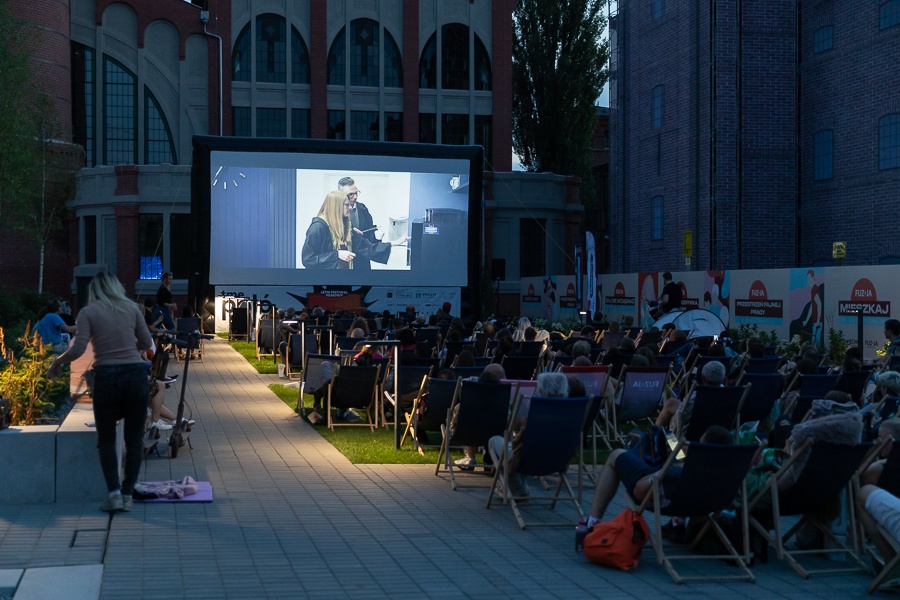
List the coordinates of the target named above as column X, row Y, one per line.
column 340, row 213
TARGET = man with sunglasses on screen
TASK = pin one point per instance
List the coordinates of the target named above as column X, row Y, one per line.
column 364, row 227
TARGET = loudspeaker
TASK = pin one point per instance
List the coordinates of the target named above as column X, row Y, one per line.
column 498, row 269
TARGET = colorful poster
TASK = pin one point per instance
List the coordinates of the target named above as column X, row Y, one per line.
column 866, row 291
column 716, row 298
column 531, row 297
column 648, row 294
column 760, row 298
column 806, row 307
column 567, row 292
column 619, row 296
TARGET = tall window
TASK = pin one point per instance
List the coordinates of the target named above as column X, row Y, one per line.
column 158, row 145
column 150, row 245
column 656, row 218
column 822, row 39
column 90, row 240
column 482, row 67
column 455, row 57
column 84, row 98
column 240, row 121
column 889, row 141
column 337, row 125
column 428, row 128
column 657, row 9
column 366, row 64
column 658, row 106
column 428, row 65
column 271, row 49
column 364, row 125
column 299, row 122
column 271, row 122
column 120, row 114
column 299, row 58
column 180, row 236
column 393, row 126
column 532, row 247
column 240, row 57
column 455, row 129
column 823, row 151
column 889, row 13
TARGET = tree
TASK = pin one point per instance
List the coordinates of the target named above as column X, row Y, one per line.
column 559, row 70
column 36, row 167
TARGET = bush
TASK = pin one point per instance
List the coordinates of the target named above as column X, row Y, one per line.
column 23, row 380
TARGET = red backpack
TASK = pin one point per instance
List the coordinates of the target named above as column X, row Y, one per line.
column 617, row 543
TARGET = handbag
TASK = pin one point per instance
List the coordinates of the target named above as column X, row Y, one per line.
column 617, row 543
column 5, row 413
column 651, row 445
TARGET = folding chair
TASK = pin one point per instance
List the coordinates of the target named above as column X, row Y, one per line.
column 594, row 379
column 481, row 412
column 611, row 339
column 636, row 397
column 711, row 477
column 297, row 352
column 829, row 470
column 311, row 376
column 766, row 364
column 467, row 372
column 409, row 382
column 266, row 336
column 183, row 327
column 649, row 338
column 433, row 362
column 483, row 361
column 809, row 387
column 428, row 337
column 520, row 367
column 714, row 405
column 354, row 387
column 452, row 348
column 560, row 361
column 764, row 391
column 430, row 410
column 550, row 439
column 524, row 348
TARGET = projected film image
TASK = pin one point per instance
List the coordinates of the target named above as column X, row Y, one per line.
column 320, row 219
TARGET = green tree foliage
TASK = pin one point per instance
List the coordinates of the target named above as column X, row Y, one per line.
column 559, row 70
column 32, row 397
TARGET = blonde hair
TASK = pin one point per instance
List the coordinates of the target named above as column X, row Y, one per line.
column 332, row 212
column 106, row 290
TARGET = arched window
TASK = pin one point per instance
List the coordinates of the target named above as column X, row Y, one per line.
column 428, row 64
column 889, row 141
column 365, row 52
column 455, row 57
column 271, row 48
column 364, row 41
column 393, row 62
column 240, row 56
column 482, row 66
column 299, row 58
column 337, row 60
column 119, row 114
column 158, row 145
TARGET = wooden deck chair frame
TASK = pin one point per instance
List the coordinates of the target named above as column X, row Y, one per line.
column 612, row 416
column 310, row 375
column 549, row 442
column 890, row 482
column 354, row 381
column 716, row 483
column 267, row 331
column 410, row 379
column 714, row 405
column 595, row 379
column 185, row 325
column 822, row 458
column 443, row 399
column 482, row 411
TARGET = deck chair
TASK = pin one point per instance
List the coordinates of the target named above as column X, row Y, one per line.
column 560, row 361
column 549, row 442
column 636, row 398
column 467, row 372
column 409, row 384
column 344, row 342
column 853, row 382
column 453, row 348
column 433, row 362
column 611, row 339
column 483, row 361
column 354, row 387
column 430, row 411
column 711, row 478
column 311, row 376
column 520, row 367
column 428, row 336
column 829, row 470
column 298, row 349
column 767, row 364
column 764, row 391
column 809, row 387
column 594, row 379
column 479, row 411
column 889, row 481
column 649, row 338
column 183, row 327
column 524, row 348
column 266, row 337
column 714, row 405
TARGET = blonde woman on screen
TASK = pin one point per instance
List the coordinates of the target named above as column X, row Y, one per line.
column 328, row 242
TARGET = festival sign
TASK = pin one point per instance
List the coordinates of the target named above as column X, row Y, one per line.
column 866, row 290
column 618, row 296
column 568, row 297
column 693, row 284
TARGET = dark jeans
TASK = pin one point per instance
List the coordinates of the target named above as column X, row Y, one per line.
column 120, row 392
column 168, row 323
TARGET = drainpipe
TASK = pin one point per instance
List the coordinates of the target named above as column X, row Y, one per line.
column 204, row 18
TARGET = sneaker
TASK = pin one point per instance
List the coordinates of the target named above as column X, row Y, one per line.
column 113, row 504
column 188, row 422
column 162, row 425
column 127, row 503
column 465, row 463
column 351, row 417
column 166, row 379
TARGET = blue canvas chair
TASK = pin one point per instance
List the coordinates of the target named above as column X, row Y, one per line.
column 467, row 372
column 713, row 405
column 311, row 375
column 479, row 411
column 595, row 379
column 409, row 383
column 889, row 481
column 809, row 388
column 430, row 411
column 765, row 389
column 829, row 470
column 520, row 367
column 549, row 441
column 354, row 387
column 711, row 477
column 637, row 398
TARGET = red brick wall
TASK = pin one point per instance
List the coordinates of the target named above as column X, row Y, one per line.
column 410, row 70
column 318, row 76
column 128, row 267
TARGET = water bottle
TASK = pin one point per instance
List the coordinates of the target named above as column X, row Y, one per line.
column 580, row 531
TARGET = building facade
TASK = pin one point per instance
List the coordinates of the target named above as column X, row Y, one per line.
column 765, row 130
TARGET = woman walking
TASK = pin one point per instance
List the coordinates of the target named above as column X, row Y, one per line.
column 115, row 327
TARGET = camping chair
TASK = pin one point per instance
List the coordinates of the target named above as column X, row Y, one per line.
column 809, row 388
column 183, row 327
column 354, row 387
column 764, row 392
column 550, row 439
column 266, row 336
column 409, row 384
column 311, row 376
column 520, row 367
column 481, row 412
column 430, row 410
column 829, row 470
column 714, row 405
column 889, row 481
column 711, row 478
column 637, row 397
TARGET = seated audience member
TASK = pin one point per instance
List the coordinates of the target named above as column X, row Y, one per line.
column 627, row 467
column 581, row 348
column 505, row 347
column 465, row 358
column 521, row 325
column 713, row 374
column 493, row 373
column 875, row 505
column 549, row 385
column 364, row 358
column 646, row 352
column 889, row 432
column 52, row 329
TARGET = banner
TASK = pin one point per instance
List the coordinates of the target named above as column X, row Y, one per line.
column 567, row 292
column 760, row 298
column 590, row 252
column 870, row 291
column 619, row 294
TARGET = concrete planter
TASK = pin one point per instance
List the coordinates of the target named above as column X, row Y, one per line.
column 28, row 464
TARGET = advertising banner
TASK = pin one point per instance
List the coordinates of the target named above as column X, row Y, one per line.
column 539, row 298
column 760, row 297
column 806, row 305
column 716, row 299
column 590, row 252
column 568, row 298
column 619, row 296
column 870, row 291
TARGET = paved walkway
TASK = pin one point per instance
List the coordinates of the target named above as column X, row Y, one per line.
column 292, row 518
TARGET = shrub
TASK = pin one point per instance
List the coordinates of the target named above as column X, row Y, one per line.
column 23, row 381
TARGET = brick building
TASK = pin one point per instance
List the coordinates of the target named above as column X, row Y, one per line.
column 767, row 129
